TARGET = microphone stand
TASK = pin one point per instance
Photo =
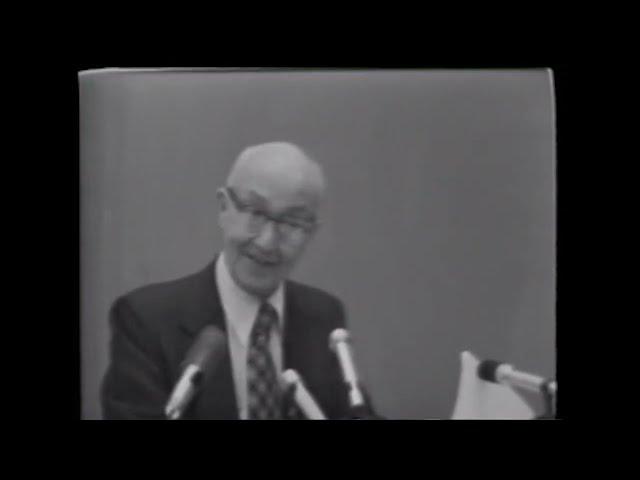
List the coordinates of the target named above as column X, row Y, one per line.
column 363, row 411
column 549, row 399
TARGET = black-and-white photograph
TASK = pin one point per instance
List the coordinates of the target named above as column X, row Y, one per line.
column 317, row 244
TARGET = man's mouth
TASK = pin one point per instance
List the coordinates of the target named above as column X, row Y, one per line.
column 260, row 260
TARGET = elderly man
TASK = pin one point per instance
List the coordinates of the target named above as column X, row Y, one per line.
column 268, row 214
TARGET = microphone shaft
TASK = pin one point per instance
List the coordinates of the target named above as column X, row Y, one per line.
column 349, row 374
column 306, row 402
column 182, row 393
column 507, row 374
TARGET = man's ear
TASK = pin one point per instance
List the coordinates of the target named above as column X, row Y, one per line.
column 223, row 206
column 223, row 200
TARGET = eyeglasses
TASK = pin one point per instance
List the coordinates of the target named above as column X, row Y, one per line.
column 290, row 227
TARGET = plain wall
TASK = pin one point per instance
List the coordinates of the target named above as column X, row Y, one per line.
column 438, row 233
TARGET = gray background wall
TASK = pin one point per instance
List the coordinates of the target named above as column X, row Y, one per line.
column 439, row 231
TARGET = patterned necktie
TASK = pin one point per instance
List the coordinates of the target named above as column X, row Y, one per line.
column 264, row 394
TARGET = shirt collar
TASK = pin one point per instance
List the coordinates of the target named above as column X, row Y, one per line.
column 239, row 306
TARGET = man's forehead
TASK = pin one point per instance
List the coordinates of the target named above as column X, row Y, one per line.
column 278, row 172
column 277, row 158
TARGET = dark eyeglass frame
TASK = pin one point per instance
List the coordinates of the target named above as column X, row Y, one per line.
column 287, row 227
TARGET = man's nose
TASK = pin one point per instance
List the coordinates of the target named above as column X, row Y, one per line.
column 267, row 236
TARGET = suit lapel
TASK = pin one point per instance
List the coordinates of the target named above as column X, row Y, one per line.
column 294, row 333
column 306, row 348
column 217, row 398
column 290, row 315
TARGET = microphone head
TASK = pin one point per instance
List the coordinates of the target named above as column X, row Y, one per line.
column 207, row 350
column 290, row 377
column 337, row 336
column 487, row 370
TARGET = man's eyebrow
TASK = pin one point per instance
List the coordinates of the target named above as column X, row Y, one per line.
column 301, row 210
column 298, row 211
column 251, row 194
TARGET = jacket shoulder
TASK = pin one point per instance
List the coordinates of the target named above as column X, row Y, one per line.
column 317, row 303
column 313, row 293
column 166, row 299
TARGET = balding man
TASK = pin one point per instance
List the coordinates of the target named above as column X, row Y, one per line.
column 268, row 213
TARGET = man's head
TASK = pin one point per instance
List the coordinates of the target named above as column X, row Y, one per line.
column 268, row 213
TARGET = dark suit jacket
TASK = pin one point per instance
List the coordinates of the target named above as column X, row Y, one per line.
column 154, row 326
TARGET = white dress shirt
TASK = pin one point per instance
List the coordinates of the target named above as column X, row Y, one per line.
column 240, row 310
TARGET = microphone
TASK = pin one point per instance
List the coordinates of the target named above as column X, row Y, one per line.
column 301, row 395
column 496, row 372
column 203, row 357
column 339, row 344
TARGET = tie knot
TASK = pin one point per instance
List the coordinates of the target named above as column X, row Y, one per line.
column 267, row 319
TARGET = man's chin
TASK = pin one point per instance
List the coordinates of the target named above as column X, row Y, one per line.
column 258, row 281
column 259, row 289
